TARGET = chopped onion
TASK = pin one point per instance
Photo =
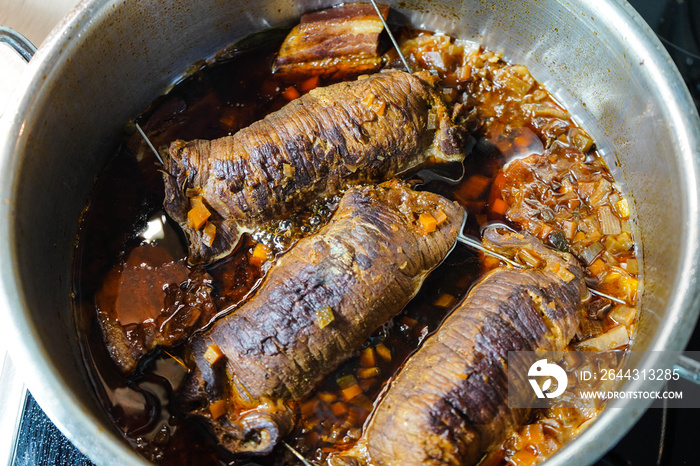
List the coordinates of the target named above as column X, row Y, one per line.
column 591, row 252
column 632, row 266
column 616, row 337
column 609, row 223
column 580, row 139
column 623, row 315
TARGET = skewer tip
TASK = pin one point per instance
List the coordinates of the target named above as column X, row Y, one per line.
column 391, row 36
column 148, row 141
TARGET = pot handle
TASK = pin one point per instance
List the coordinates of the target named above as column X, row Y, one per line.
column 18, row 42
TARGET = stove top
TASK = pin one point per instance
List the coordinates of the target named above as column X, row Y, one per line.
column 661, row 437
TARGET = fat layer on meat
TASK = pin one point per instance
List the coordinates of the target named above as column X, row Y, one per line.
column 448, row 404
column 336, row 43
column 349, row 133
column 318, row 305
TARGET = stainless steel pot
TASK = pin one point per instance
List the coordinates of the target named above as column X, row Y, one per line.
column 109, row 58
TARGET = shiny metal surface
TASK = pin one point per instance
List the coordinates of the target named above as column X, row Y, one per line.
column 18, row 42
column 108, row 59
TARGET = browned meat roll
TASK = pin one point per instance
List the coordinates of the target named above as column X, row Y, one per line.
column 321, row 301
column 349, row 133
column 448, row 404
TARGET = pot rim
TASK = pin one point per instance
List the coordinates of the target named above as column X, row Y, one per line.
column 80, row 426
column 43, row 380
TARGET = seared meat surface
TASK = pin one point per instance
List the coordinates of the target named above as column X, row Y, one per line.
column 338, row 42
column 349, row 133
column 318, row 305
column 448, row 404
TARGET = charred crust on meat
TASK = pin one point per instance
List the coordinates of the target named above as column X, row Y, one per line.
column 328, row 139
column 276, row 353
column 463, row 409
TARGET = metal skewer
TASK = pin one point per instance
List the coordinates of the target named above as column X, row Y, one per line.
column 296, row 453
column 145, row 138
column 391, row 36
column 477, row 245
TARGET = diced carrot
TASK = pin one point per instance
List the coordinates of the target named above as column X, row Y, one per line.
column 327, row 396
column 367, row 372
column 597, row 268
column 427, row 223
column 580, row 236
column 217, row 409
column 474, row 187
column 499, row 206
column 291, row 93
column 500, row 181
column 383, row 352
column 198, row 214
column 630, row 285
column 324, row 316
column 351, row 392
column 408, row 322
column 346, row 381
column 308, row 408
column 367, row 358
column 523, row 458
column 339, row 408
column 288, row 170
column 209, row 233
column 379, row 107
column 213, row 354
column 260, row 253
column 534, row 434
column 367, row 101
column 445, row 300
column 544, row 231
column 440, row 217
column 311, row 83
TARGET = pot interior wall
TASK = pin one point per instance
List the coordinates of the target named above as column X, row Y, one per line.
column 105, row 66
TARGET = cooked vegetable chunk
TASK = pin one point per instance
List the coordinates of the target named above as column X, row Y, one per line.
column 310, row 149
column 448, row 404
column 319, row 304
